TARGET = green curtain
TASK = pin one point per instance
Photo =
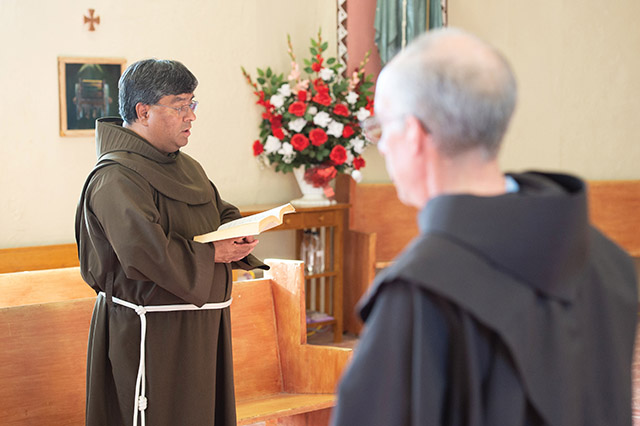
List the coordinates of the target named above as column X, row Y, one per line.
column 390, row 15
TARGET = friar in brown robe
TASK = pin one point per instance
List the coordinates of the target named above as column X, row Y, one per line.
column 140, row 208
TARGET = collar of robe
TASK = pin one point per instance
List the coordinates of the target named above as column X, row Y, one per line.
column 176, row 176
column 544, row 253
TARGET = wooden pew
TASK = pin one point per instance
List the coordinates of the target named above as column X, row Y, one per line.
column 380, row 226
column 38, row 258
column 279, row 379
column 614, row 207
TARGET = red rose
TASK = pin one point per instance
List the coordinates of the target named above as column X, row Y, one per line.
column 322, row 98
column 302, row 95
column 338, row 155
column 341, row 109
column 320, row 176
column 278, row 133
column 257, row 148
column 358, row 163
column 299, row 142
column 276, row 120
column 298, row 108
column 347, row 132
column 320, row 85
column 318, row 137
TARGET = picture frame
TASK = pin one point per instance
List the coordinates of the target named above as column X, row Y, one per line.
column 88, row 89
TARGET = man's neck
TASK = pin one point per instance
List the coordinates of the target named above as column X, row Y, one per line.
column 469, row 174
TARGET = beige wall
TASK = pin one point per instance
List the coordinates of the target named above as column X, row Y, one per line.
column 576, row 61
column 42, row 173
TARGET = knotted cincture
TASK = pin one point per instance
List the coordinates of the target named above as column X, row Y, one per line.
column 140, row 402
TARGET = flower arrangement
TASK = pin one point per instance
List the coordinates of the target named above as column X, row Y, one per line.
column 313, row 121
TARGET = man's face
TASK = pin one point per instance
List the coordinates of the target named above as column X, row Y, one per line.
column 402, row 165
column 168, row 128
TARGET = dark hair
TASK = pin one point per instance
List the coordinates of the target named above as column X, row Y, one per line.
column 149, row 80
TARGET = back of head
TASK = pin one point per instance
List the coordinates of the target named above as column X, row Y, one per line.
column 149, row 80
column 460, row 88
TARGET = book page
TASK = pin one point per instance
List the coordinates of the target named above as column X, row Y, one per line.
column 250, row 225
column 256, row 218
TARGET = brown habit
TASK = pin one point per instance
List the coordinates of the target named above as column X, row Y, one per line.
column 135, row 223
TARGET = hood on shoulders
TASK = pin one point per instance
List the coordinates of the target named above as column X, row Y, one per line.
column 539, row 234
column 176, row 175
column 112, row 136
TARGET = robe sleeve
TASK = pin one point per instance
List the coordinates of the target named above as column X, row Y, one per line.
column 124, row 205
column 229, row 212
column 397, row 375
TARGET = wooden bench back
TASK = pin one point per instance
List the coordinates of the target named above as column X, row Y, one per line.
column 44, row 345
column 37, row 258
column 43, row 362
column 256, row 360
column 53, row 285
column 375, row 208
column 614, row 207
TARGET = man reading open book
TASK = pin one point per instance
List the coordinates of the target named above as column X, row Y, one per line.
column 140, row 209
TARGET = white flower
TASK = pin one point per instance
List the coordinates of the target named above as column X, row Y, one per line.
column 285, row 90
column 272, row 144
column 287, row 152
column 357, row 145
column 362, row 114
column 335, row 129
column 352, row 98
column 356, row 175
column 322, row 119
column 350, row 157
column 277, row 100
column 297, row 125
column 312, row 110
column 326, row 74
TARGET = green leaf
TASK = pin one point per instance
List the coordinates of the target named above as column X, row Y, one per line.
column 313, row 51
column 325, row 45
column 330, row 61
column 307, row 62
column 308, row 70
column 260, row 72
column 261, row 80
column 269, row 72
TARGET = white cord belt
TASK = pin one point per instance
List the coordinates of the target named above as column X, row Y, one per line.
column 140, row 401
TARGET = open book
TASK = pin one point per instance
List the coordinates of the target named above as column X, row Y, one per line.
column 245, row 226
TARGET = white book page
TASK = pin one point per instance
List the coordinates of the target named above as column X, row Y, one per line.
column 253, row 218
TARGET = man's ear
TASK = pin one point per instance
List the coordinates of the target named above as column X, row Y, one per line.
column 142, row 111
column 415, row 135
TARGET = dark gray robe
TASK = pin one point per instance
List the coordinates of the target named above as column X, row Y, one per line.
column 136, row 220
column 507, row 310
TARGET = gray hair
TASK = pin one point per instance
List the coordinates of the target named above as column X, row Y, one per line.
column 149, row 80
column 460, row 88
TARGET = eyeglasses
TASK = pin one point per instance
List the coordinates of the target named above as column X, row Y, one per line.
column 183, row 109
column 372, row 129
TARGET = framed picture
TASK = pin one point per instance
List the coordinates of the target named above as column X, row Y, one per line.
column 88, row 90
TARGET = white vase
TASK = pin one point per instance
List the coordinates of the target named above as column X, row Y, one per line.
column 311, row 196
